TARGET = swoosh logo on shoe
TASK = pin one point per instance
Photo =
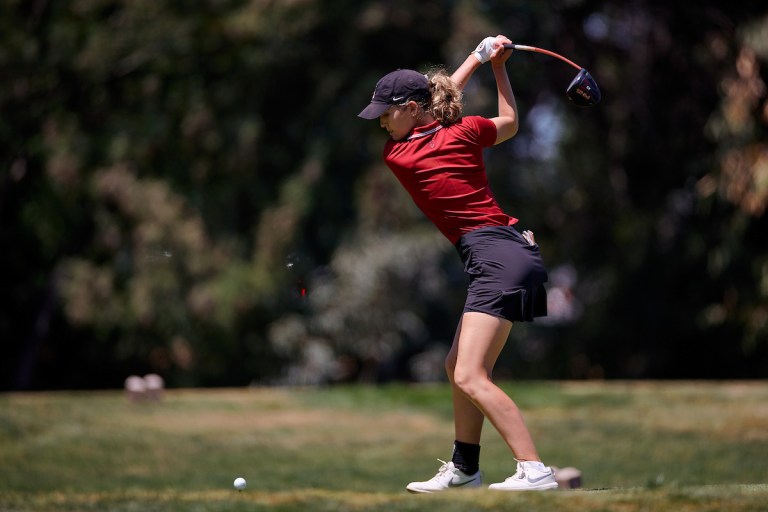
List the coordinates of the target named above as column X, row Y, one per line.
column 537, row 480
column 462, row 484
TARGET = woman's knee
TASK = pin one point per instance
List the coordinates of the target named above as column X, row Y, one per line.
column 472, row 384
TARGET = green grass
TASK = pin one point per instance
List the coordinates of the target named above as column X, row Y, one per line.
column 641, row 446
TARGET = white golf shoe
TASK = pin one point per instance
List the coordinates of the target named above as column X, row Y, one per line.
column 530, row 476
column 447, row 477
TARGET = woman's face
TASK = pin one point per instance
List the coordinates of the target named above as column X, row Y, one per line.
column 399, row 120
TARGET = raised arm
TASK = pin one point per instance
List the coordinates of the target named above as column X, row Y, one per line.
column 507, row 121
column 464, row 72
column 479, row 55
column 492, row 49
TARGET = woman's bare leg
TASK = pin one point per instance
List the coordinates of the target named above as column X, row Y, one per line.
column 476, row 347
column 468, row 419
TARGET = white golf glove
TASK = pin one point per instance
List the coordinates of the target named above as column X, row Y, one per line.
column 484, row 49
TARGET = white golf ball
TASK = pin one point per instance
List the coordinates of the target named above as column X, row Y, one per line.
column 240, row 483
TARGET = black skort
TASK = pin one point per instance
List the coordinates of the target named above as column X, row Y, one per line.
column 506, row 274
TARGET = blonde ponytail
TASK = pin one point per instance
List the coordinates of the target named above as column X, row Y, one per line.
column 445, row 105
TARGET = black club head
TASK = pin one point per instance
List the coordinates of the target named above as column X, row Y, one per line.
column 583, row 90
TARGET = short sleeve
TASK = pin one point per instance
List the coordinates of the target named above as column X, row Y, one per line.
column 484, row 129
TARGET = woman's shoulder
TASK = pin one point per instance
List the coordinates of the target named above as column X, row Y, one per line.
column 477, row 129
column 474, row 121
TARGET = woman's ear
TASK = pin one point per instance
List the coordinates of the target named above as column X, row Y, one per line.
column 413, row 108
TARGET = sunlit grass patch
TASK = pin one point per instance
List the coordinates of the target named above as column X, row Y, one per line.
column 641, row 446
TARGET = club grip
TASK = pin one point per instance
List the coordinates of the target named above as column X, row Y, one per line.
column 522, row 47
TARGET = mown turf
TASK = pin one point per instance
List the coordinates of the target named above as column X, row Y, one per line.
column 642, row 446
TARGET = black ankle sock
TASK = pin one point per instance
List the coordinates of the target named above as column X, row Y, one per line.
column 466, row 457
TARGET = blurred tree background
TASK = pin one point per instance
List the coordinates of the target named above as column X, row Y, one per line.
column 186, row 190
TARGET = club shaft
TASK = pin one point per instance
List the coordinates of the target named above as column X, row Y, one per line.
column 526, row 48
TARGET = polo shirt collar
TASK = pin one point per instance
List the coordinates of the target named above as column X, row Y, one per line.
column 423, row 131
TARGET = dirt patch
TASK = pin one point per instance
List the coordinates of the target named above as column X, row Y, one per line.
column 278, row 414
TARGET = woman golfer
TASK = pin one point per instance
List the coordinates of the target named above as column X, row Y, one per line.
column 437, row 156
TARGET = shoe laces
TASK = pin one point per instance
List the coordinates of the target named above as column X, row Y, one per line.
column 520, row 473
column 444, row 469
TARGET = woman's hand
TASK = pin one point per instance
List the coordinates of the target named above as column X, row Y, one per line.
column 491, row 47
column 499, row 55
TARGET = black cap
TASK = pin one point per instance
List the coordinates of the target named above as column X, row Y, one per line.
column 394, row 89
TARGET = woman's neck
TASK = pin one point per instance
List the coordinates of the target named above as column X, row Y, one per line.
column 424, row 119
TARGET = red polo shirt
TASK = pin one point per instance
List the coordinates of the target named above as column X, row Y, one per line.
column 443, row 170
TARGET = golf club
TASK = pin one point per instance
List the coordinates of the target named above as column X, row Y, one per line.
column 583, row 90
